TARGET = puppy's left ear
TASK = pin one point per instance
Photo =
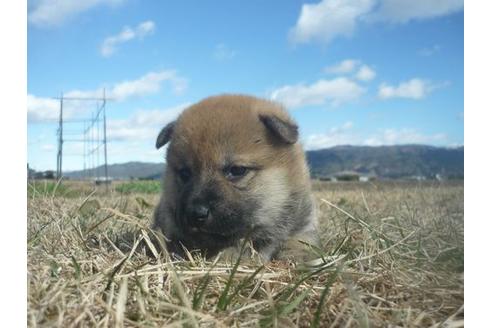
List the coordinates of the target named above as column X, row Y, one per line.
column 286, row 131
column 165, row 135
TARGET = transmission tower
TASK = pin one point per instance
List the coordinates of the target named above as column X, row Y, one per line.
column 88, row 132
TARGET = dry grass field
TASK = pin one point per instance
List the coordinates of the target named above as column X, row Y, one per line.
column 392, row 255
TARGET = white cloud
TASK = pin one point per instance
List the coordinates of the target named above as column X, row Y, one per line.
column 412, row 89
column 405, row 136
column 320, row 141
column 343, row 67
column 328, row 19
column 128, row 151
column 47, row 109
column 47, row 13
column 402, row 11
column 110, row 44
column 426, row 52
column 338, row 135
column 42, row 109
column 345, row 135
column 365, row 73
column 144, row 124
column 223, row 52
column 346, row 126
column 335, row 91
column 48, row 148
column 145, row 85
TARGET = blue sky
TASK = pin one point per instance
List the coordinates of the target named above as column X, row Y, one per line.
column 366, row 72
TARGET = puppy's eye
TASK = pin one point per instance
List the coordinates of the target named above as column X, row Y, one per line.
column 184, row 174
column 235, row 172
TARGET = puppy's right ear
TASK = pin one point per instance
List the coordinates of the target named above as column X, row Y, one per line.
column 285, row 131
column 165, row 135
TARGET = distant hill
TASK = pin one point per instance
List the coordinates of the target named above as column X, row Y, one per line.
column 383, row 161
column 123, row 171
column 389, row 161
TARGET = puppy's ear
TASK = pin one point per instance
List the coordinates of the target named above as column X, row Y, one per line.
column 165, row 135
column 287, row 132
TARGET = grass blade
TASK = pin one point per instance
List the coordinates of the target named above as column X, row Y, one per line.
column 244, row 283
column 223, row 300
column 201, row 288
column 286, row 309
column 317, row 315
column 76, row 266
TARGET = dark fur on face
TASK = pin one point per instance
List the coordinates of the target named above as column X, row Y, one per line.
column 234, row 169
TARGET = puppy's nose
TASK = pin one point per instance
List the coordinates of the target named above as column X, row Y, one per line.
column 199, row 214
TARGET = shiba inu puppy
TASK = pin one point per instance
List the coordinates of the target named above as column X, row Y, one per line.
column 235, row 169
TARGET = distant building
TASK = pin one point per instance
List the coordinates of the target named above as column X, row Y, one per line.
column 103, row 180
column 349, row 176
column 418, row 178
column 157, row 176
column 30, row 172
column 331, row 179
column 42, row 175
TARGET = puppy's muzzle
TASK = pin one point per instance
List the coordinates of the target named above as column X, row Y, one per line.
column 199, row 215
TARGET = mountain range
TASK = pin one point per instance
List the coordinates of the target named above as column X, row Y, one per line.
column 390, row 162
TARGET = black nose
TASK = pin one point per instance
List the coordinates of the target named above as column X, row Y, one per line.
column 199, row 214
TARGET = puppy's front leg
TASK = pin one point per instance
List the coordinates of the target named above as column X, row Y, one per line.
column 269, row 252
column 267, row 248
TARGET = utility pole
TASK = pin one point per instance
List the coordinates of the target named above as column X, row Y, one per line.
column 93, row 165
column 85, row 152
column 105, row 142
column 60, row 142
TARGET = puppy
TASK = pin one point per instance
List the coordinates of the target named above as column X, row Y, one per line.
column 235, row 169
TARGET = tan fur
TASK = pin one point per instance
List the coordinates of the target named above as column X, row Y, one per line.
column 227, row 129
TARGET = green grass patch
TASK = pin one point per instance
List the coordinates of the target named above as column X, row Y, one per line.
column 45, row 188
column 144, row 187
